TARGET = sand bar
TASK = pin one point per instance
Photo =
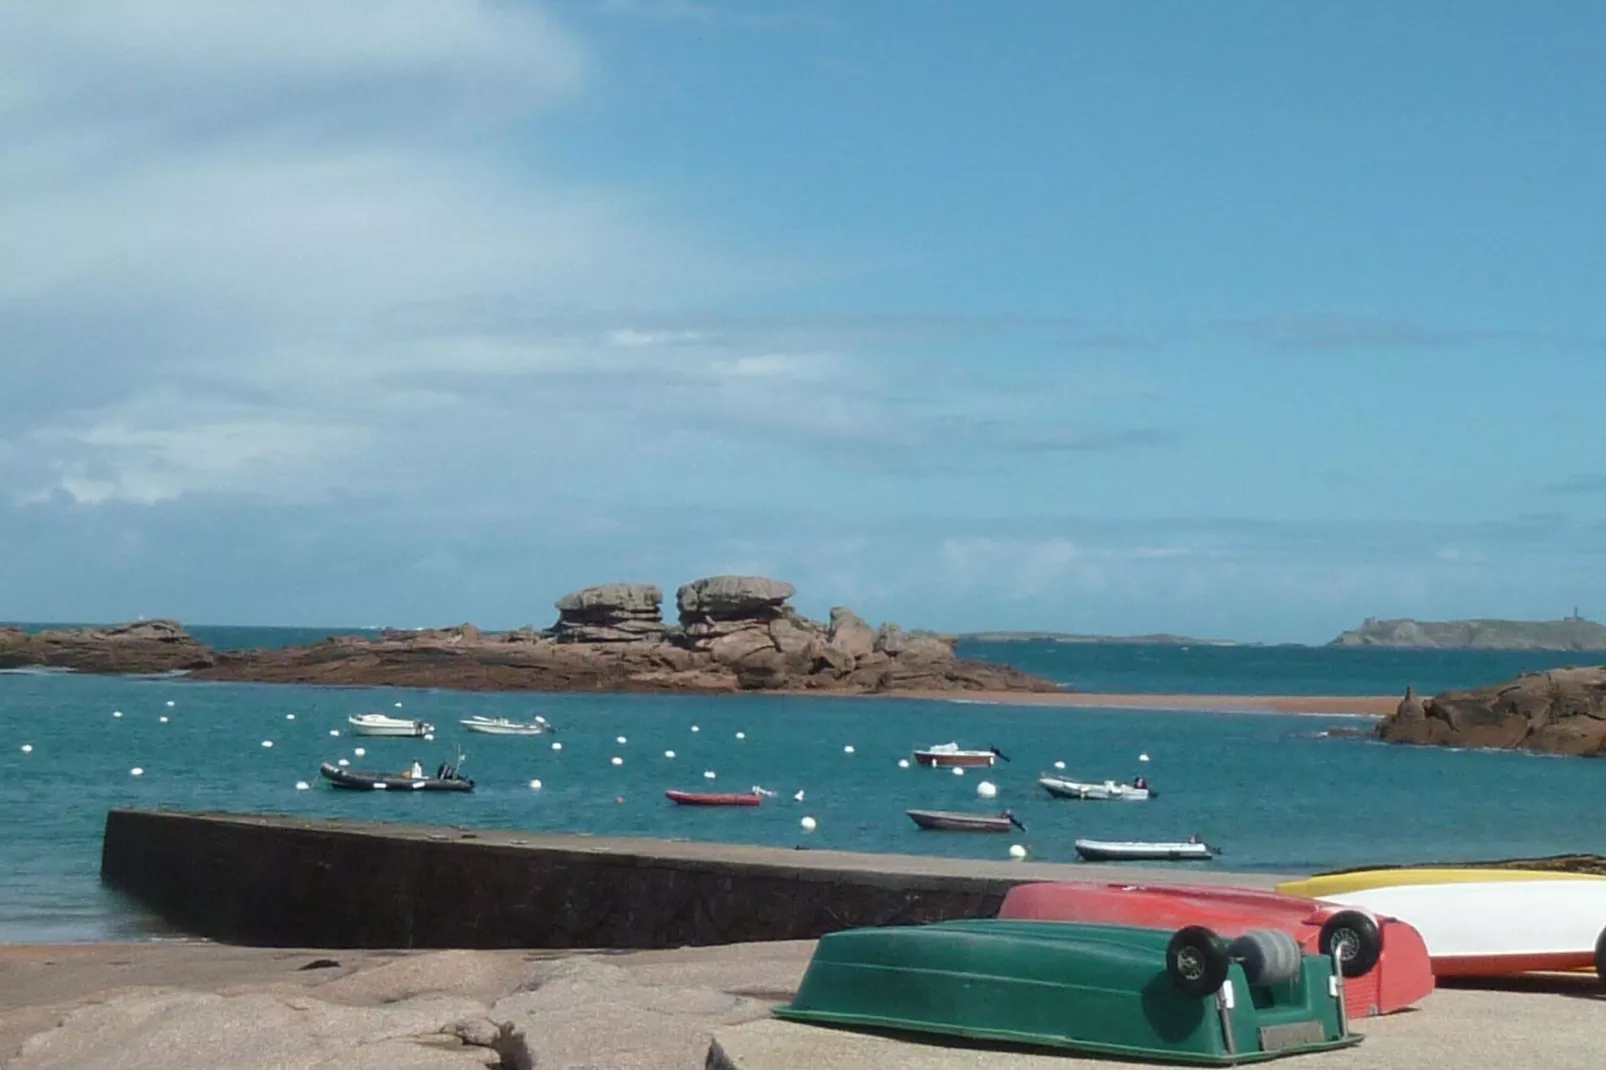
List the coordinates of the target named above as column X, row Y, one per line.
column 1314, row 705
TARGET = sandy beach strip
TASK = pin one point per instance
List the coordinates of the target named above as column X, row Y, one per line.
column 1315, row 705
column 197, row 1007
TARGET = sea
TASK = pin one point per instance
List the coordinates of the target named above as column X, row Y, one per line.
column 1276, row 793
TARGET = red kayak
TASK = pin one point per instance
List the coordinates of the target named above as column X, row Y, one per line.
column 697, row 798
column 1384, row 961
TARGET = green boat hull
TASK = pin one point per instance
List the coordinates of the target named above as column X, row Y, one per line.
column 1100, row 989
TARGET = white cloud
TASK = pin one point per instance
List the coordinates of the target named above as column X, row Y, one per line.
column 217, row 216
column 252, row 253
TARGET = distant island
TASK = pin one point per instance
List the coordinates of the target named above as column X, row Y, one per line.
column 1568, row 633
column 1161, row 639
column 733, row 633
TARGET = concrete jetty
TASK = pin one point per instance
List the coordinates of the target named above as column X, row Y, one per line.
column 281, row 881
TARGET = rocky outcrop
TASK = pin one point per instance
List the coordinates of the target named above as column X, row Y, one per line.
column 735, row 633
column 146, row 646
column 610, row 613
column 1569, row 633
column 1561, row 711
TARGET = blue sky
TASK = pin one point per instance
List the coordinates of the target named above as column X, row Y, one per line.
column 1244, row 319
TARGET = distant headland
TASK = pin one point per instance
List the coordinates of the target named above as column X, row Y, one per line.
column 1568, row 633
column 734, row 633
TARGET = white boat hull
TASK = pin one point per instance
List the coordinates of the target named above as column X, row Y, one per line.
column 1136, row 851
column 1062, row 788
column 1495, row 928
column 389, row 726
column 503, row 728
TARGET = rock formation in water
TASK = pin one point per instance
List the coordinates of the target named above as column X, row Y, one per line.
column 1569, row 633
column 733, row 633
column 146, row 646
column 610, row 613
column 1561, row 711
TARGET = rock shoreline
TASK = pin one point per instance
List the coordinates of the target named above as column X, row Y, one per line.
column 734, row 633
column 1560, row 711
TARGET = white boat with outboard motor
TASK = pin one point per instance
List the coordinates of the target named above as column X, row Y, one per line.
column 1065, row 788
column 379, row 724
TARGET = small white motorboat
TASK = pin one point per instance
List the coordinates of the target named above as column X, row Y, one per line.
column 951, row 755
column 1065, row 788
column 1138, row 851
column 379, row 724
column 502, row 726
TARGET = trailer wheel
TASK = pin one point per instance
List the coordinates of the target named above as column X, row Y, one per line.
column 1268, row 956
column 1196, row 960
column 1354, row 941
column 1600, row 958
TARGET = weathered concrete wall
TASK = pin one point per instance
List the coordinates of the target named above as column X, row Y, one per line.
column 281, row 881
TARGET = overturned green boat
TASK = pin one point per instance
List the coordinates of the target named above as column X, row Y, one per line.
column 1187, row 996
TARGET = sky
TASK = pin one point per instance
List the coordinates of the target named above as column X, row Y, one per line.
column 1241, row 320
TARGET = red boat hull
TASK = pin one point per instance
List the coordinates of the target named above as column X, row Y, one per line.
column 694, row 798
column 1402, row 977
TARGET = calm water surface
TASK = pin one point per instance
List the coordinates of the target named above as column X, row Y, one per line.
column 1265, row 788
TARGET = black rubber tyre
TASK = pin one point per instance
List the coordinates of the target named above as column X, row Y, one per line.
column 1600, row 958
column 1268, row 956
column 1354, row 940
column 1197, row 961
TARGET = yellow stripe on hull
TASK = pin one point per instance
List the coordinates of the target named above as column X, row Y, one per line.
column 1322, row 885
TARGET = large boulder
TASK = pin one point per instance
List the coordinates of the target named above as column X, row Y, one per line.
column 610, row 599
column 850, row 634
column 611, row 613
column 728, row 597
column 1562, row 711
column 891, row 640
column 717, row 607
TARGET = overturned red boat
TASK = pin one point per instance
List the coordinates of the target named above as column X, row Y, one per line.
column 1384, row 961
column 698, row 798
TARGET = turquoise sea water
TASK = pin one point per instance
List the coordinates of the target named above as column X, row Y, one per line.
column 1268, row 670
column 1263, row 787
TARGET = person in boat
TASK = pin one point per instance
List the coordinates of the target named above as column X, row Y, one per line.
column 1140, row 783
column 1193, row 837
column 417, row 771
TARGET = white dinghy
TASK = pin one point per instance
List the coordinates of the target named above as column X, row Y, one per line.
column 379, row 724
column 1140, row 851
column 1065, row 788
column 502, row 726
